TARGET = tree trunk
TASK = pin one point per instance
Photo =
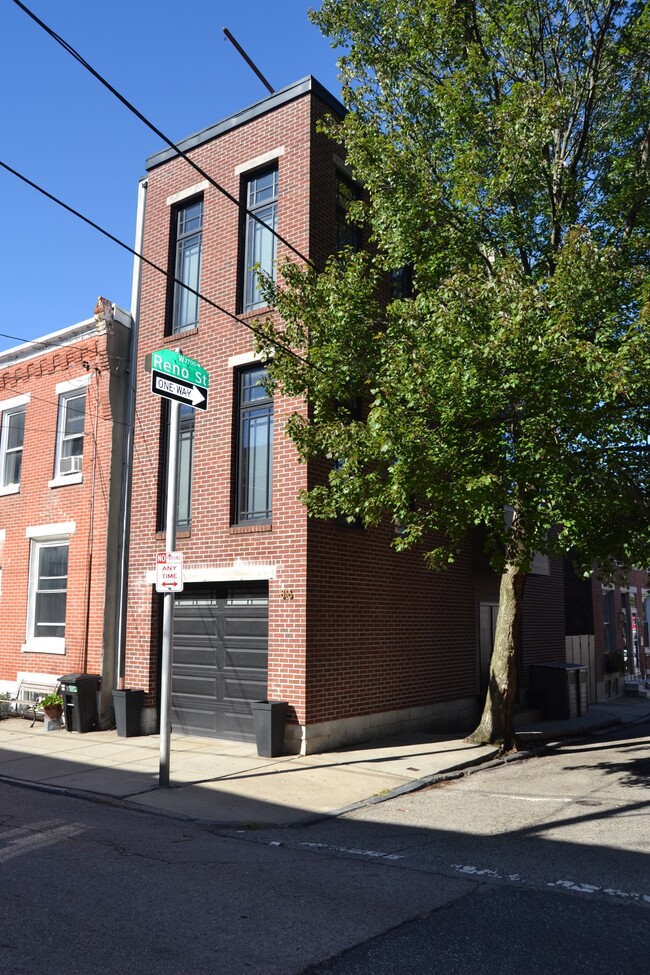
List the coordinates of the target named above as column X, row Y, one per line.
column 497, row 724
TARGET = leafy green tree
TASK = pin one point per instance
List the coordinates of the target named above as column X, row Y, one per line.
column 504, row 152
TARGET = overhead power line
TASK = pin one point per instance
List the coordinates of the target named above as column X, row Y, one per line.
column 161, row 135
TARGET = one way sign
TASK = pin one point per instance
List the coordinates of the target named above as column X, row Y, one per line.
column 182, row 390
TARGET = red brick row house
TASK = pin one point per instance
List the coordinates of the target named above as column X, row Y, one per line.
column 62, row 423
column 360, row 641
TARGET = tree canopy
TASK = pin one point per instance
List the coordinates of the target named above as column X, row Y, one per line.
column 504, row 153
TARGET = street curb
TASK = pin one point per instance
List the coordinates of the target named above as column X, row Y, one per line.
column 471, row 767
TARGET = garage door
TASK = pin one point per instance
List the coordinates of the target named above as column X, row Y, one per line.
column 220, row 659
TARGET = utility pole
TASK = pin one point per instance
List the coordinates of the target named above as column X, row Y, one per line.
column 168, row 597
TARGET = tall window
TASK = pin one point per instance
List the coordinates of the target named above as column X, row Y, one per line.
column 259, row 244
column 401, row 283
column 70, row 432
column 11, row 446
column 185, row 454
column 187, row 268
column 609, row 620
column 255, row 448
column 347, row 234
column 185, row 457
column 48, row 589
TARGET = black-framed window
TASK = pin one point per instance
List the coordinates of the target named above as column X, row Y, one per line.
column 401, row 282
column 261, row 195
column 344, row 519
column 347, row 234
column 185, row 465
column 609, row 621
column 188, row 242
column 254, row 461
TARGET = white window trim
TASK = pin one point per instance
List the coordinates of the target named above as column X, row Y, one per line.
column 259, row 161
column 245, row 359
column 236, row 573
column 64, row 480
column 49, row 534
column 71, row 384
column 63, row 389
column 8, row 406
column 14, row 402
column 45, row 532
column 186, row 193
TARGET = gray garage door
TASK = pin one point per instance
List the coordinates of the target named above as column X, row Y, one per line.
column 220, row 659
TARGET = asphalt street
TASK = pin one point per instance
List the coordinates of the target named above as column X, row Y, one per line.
column 537, row 866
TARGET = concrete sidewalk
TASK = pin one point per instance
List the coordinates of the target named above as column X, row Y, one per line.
column 226, row 783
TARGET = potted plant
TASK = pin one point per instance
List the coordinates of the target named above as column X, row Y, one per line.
column 5, row 704
column 52, row 706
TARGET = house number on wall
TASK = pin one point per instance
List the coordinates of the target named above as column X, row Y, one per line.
column 286, row 593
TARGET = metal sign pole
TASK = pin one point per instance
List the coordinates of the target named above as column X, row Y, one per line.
column 168, row 604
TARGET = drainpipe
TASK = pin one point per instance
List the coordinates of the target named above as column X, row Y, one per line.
column 127, row 462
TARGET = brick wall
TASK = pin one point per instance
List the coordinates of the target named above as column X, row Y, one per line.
column 87, row 501
column 354, row 628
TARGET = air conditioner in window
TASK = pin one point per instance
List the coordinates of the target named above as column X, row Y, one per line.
column 70, row 465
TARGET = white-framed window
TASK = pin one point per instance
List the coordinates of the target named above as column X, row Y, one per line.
column 47, row 595
column 68, row 464
column 12, row 434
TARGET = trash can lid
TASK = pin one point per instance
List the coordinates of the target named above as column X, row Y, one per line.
column 78, row 678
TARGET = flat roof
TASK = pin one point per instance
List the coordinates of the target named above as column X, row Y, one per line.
column 63, row 336
column 270, row 103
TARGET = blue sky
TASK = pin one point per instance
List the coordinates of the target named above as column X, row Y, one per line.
column 65, row 132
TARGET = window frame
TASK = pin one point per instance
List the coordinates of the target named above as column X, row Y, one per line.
column 186, row 428
column 181, row 240
column 10, row 408
column 243, row 513
column 40, row 538
column 253, row 232
column 609, row 620
column 346, row 234
column 68, row 392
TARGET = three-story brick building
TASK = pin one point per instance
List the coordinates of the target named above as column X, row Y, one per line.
column 360, row 640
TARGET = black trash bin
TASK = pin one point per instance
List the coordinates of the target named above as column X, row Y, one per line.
column 268, row 721
column 128, row 704
column 560, row 689
column 79, row 693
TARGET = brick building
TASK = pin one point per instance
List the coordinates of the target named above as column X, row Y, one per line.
column 61, row 463
column 607, row 629
column 360, row 640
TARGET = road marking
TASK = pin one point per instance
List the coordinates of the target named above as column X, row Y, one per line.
column 507, row 795
column 346, row 849
column 30, row 841
column 582, row 888
column 592, row 889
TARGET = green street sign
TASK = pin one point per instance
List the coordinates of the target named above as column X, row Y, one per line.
column 178, row 366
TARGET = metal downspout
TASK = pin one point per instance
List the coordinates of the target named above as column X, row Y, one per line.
column 129, row 421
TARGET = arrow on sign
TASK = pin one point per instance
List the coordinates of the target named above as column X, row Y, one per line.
column 179, row 389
